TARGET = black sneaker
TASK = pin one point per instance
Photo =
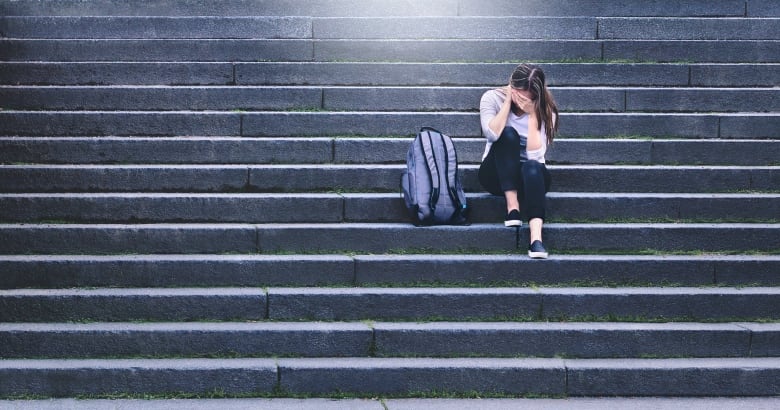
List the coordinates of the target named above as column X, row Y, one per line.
column 513, row 218
column 536, row 250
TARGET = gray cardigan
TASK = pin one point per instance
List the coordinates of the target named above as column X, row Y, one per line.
column 489, row 106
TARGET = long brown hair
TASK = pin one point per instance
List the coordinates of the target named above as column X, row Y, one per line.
column 531, row 78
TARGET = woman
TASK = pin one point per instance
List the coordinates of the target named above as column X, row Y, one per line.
column 519, row 122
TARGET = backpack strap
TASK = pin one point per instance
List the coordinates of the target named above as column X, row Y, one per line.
column 433, row 169
column 452, row 174
column 449, row 152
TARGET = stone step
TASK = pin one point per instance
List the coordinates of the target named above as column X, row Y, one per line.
column 378, row 8
column 536, row 304
column 368, row 123
column 357, row 28
column 233, row 150
column 379, row 238
column 586, row 28
column 142, row 271
column 369, row 208
column 91, row 27
column 182, row 339
column 483, row 74
column 575, row 340
column 396, row 304
column 147, row 304
column 384, row 74
column 398, row 377
column 252, row 98
column 388, row 339
column 516, row 403
column 367, row 178
column 477, row 50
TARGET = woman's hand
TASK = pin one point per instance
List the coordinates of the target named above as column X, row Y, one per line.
column 523, row 102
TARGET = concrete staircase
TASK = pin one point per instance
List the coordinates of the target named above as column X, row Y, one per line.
column 201, row 199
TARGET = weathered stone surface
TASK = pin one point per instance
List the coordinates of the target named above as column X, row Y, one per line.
column 164, row 150
column 168, row 271
column 455, row 51
column 689, row 29
column 69, row 378
column 118, row 123
column 130, row 178
column 123, row 208
column 113, row 239
column 706, row 51
column 455, row 27
column 691, row 304
column 115, row 73
column 97, row 340
column 156, row 98
column 401, row 376
column 489, row 270
column 597, row 8
column 402, row 304
column 735, row 75
column 163, row 50
column 574, row 340
column 674, row 377
column 466, row 74
column 156, row 27
column 181, row 304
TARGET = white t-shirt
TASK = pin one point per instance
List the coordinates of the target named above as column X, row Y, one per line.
column 489, row 106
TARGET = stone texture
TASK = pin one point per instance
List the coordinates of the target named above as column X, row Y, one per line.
column 125, row 208
column 113, row 239
column 673, row 377
column 163, row 50
column 141, row 271
column 401, row 304
column 667, row 304
column 706, row 51
column 185, row 339
column 765, row 339
column 702, row 100
column 116, row 123
column 181, row 304
column 402, row 376
column 130, row 178
column 688, row 29
column 157, row 98
column 114, row 73
column 573, row 340
column 464, row 74
column 164, row 150
column 735, row 75
column 68, row 378
column 383, row 238
column 461, row 27
column 455, row 51
column 487, row 270
column 653, row 8
column 754, row 125
column 157, row 27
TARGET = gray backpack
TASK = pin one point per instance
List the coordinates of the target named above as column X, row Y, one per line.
column 430, row 186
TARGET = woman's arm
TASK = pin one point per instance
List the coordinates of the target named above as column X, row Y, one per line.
column 498, row 122
column 492, row 115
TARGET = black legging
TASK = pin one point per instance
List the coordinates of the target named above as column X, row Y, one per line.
column 506, row 169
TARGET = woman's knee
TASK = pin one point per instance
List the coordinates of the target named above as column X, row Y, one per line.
column 509, row 135
column 535, row 174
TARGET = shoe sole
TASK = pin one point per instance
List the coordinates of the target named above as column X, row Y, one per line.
column 513, row 223
column 537, row 255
